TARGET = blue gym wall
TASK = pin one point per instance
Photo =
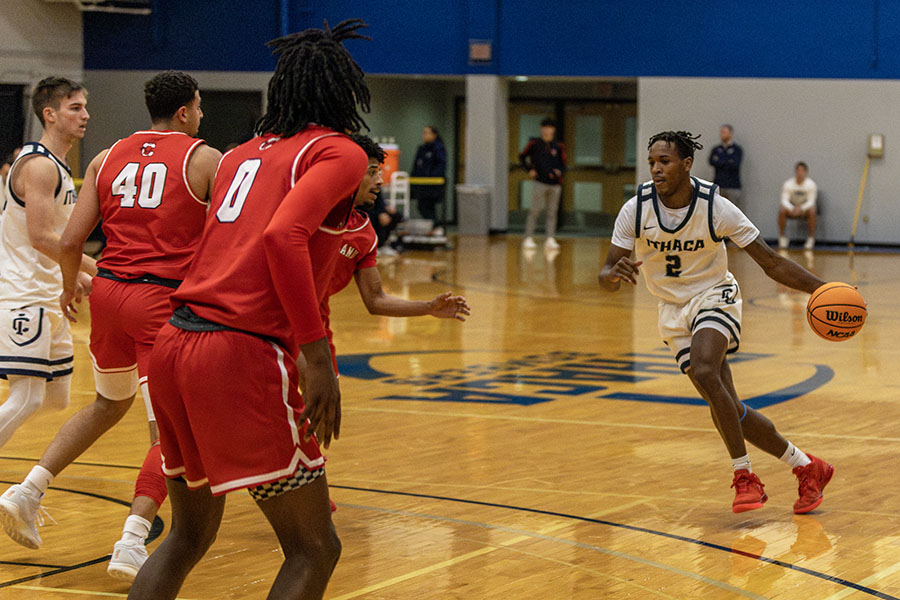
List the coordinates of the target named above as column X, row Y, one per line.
column 707, row 38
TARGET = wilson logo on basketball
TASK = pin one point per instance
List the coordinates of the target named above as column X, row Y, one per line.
column 842, row 317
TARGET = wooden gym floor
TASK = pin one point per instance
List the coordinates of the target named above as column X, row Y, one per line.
column 546, row 449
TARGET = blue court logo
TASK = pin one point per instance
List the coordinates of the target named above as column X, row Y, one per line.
column 536, row 378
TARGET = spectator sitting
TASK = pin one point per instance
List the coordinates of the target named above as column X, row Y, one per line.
column 798, row 201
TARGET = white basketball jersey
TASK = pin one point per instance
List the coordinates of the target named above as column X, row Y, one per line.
column 688, row 257
column 29, row 277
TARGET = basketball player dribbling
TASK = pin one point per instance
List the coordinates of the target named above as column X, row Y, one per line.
column 676, row 226
column 247, row 308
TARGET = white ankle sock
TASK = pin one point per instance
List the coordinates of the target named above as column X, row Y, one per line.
column 741, row 462
column 38, row 480
column 136, row 529
column 794, row 457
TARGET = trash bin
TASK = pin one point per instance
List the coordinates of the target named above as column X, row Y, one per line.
column 473, row 206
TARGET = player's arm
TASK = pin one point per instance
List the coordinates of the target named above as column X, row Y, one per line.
column 781, row 269
column 786, row 198
column 444, row 306
column 37, row 181
column 334, row 176
column 619, row 266
column 84, row 219
column 201, row 170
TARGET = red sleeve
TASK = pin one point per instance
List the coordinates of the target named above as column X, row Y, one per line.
column 334, row 176
column 369, row 259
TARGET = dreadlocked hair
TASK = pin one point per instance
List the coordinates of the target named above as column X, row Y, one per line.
column 684, row 141
column 373, row 150
column 316, row 81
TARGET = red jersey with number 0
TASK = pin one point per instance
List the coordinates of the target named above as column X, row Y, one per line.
column 279, row 208
column 151, row 218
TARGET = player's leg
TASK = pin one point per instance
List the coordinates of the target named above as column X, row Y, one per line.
column 196, row 515
column 708, row 349
column 130, row 552
column 26, row 396
column 756, row 427
column 145, row 312
column 26, row 342
column 301, row 519
column 812, row 473
column 20, row 503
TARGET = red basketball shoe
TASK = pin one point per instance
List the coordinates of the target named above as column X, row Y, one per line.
column 812, row 480
column 748, row 491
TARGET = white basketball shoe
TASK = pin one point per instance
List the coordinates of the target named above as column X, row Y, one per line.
column 127, row 559
column 20, row 514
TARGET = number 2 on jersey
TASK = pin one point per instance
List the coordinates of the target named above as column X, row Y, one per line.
column 233, row 203
column 673, row 265
column 149, row 193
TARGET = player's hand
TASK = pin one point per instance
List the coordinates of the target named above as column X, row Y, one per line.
column 384, row 218
column 84, row 283
column 624, row 270
column 447, row 306
column 322, row 397
column 67, row 301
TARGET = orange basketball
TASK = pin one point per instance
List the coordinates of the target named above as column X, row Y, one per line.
column 836, row 311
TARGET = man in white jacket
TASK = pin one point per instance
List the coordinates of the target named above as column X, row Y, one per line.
column 798, row 201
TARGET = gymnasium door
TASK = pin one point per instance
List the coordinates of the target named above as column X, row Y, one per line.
column 601, row 152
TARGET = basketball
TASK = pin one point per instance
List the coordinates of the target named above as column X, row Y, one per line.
column 836, row 311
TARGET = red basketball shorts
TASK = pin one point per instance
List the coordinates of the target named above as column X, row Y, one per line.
column 227, row 408
column 125, row 318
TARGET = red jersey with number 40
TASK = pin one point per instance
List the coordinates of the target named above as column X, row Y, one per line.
column 279, row 208
column 151, row 218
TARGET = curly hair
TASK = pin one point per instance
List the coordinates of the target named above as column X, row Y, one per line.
column 316, row 81
column 167, row 92
column 684, row 141
column 373, row 150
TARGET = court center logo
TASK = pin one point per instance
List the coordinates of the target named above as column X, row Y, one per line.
column 536, row 378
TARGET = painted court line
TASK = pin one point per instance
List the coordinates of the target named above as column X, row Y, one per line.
column 522, row 536
column 873, row 578
column 434, row 413
column 38, row 588
column 624, row 526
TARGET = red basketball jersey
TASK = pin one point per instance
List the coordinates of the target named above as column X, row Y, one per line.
column 358, row 250
column 151, row 218
column 278, row 211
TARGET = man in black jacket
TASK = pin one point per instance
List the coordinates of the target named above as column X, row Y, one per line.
column 545, row 160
